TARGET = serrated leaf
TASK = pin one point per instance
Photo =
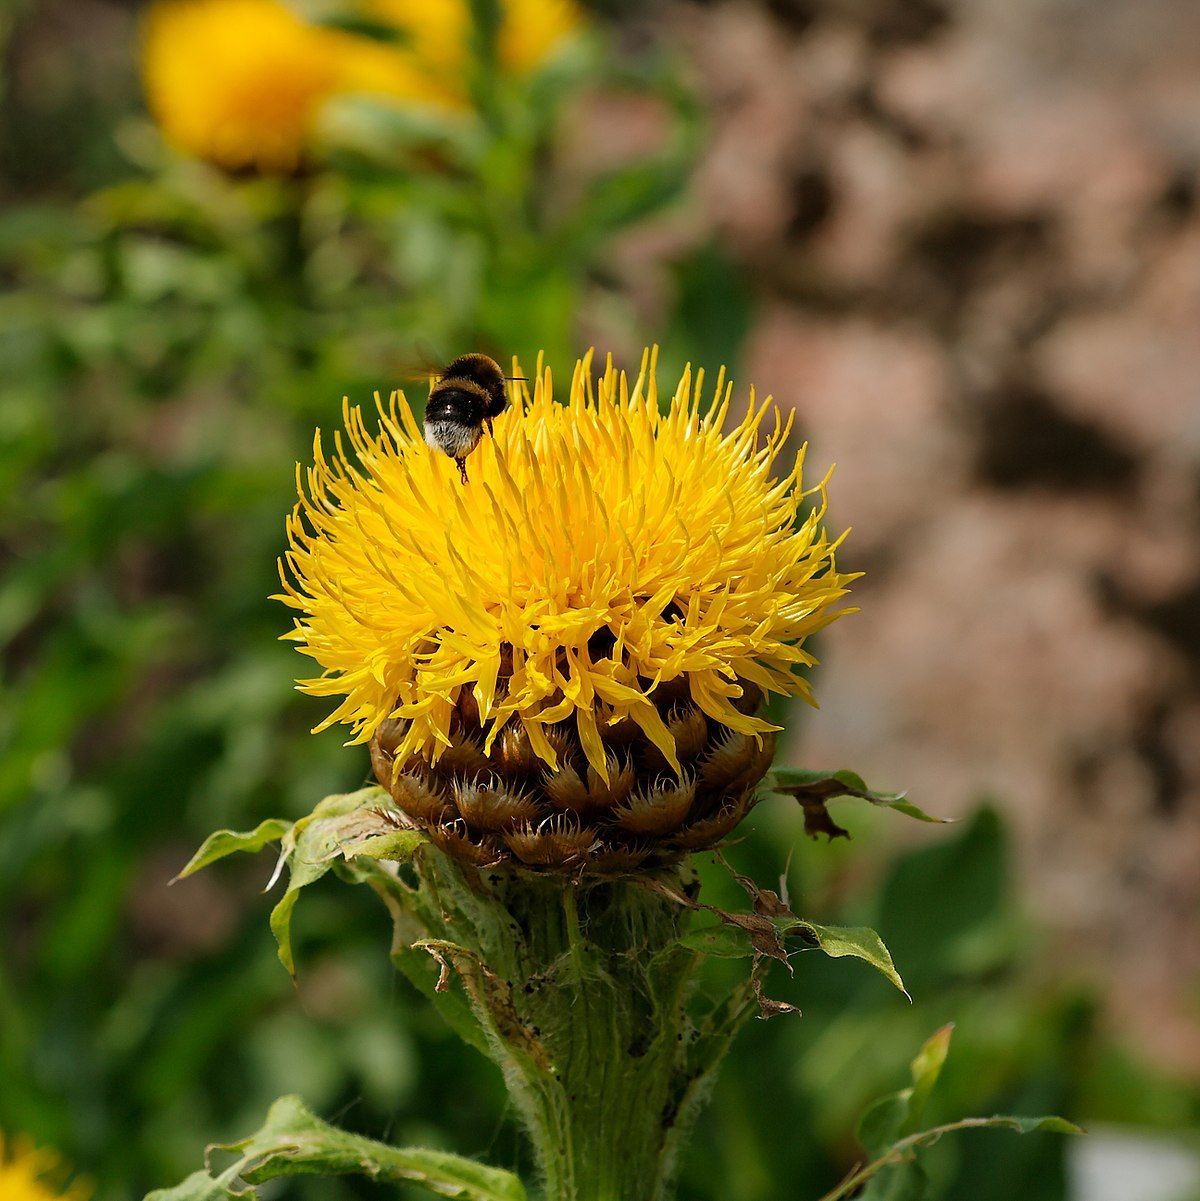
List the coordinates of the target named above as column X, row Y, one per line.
column 228, row 842
column 293, row 1142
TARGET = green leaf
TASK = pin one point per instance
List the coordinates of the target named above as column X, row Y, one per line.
column 397, row 845
column 200, row 1186
column 294, row 1142
column 713, row 314
column 890, row 1175
column 1050, row 1123
column 814, row 789
column 946, row 907
column 629, row 195
column 926, row 1069
column 347, row 826
column 728, row 941
column 859, row 942
column 719, row 941
column 882, row 1123
column 904, row 1181
column 887, row 1132
column 226, row 842
column 898, row 1114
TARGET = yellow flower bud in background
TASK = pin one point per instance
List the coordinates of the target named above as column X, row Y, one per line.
column 438, row 35
column 238, row 82
column 241, row 83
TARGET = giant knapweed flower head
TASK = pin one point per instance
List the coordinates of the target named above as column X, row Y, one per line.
column 28, row 1174
column 562, row 661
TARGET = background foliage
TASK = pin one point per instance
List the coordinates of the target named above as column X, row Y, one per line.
column 169, row 337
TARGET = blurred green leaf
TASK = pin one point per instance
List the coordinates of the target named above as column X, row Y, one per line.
column 888, row 1132
column 891, row 1177
column 899, row 1113
column 713, row 314
column 943, row 907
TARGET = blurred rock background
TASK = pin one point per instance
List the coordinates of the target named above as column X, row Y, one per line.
column 974, row 235
column 960, row 237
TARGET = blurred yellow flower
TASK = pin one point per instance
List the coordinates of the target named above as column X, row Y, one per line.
column 24, row 1172
column 438, row 36
column 238, row 82
column 599, row 550
column 241, row 83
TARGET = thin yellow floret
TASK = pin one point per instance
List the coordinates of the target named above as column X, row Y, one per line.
column 600, row 548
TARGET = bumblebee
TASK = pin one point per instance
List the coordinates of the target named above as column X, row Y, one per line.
column 471, row 392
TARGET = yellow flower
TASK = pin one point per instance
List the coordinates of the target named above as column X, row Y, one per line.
column 533, row 29
column 24, row 1172
column 437, row 37
column 600, row 551
column 239, row 82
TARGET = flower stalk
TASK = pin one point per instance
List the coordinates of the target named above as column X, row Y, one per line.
column 584, row 993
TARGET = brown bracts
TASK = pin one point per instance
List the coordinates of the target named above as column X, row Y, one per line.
column 509, row 807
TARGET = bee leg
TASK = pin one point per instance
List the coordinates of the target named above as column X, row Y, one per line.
column 462, row 467
column 488, row 422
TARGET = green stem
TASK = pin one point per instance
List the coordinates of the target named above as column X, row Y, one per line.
column 574, row 930
column 611, row 1035
column 582, row 993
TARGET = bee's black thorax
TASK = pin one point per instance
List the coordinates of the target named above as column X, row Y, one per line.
column 480, row 375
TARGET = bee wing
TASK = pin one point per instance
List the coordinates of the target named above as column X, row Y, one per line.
column 420, row 364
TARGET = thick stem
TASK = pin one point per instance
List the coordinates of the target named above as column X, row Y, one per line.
column 582, row 991
column 616, row 1038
